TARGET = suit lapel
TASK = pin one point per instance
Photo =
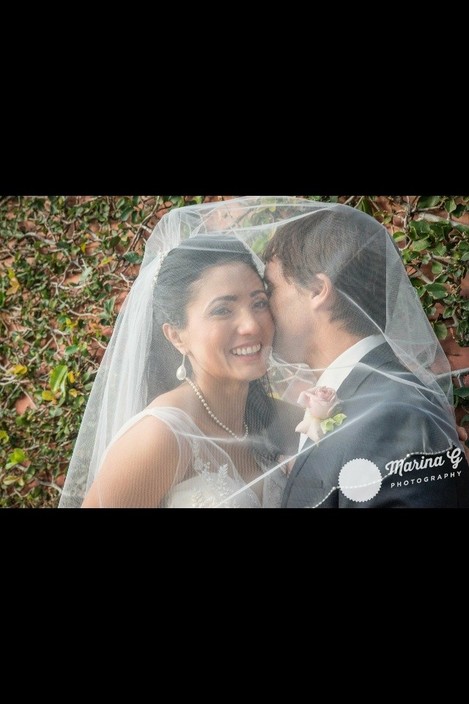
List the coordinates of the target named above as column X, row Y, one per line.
column 375, row 359
column 306, row 451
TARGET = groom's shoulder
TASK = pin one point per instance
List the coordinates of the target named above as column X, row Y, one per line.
column 383, row 371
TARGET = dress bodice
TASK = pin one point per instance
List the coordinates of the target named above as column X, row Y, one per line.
column 209, row 492
column 214, row 481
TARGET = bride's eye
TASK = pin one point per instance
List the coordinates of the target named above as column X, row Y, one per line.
column 261, row 303
column 222, row 310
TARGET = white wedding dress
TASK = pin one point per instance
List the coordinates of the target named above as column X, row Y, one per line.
column 217, row 483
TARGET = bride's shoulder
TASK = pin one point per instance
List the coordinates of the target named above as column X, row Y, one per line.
column 145, row 432
column 151, row 441
column 165, row 415
column 141, row 463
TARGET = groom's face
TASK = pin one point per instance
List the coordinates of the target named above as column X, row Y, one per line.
column 290, row 309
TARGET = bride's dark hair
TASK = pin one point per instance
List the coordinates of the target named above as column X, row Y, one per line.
column 180, row 275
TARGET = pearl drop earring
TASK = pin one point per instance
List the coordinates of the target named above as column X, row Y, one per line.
column 181, row 372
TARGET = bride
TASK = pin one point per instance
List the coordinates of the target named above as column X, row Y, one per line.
column 204, row 436
column 181, row 413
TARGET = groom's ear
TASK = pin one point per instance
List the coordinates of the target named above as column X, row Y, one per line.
column 321, row 290
column 173, row 335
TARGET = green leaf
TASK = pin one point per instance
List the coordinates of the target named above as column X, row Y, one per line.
column 439, row 250
column 459, row 210
column 327, row 425
column 133, row 258
column 428, row 201
column 4, row 437
column 18, row 455
column 86, row 273
column 55, row 411
column 420, row 244
column 462, row 392
column 19, row 369
column 109, row 305
column 365, row 206
column 417, row 228
column 63, row 244
column 339, row 418
column 440, row 229
column 437, row 268
column 437, row 290
column 450, row 205
column 441, row 331
column 9, row 480
column 58, row 377
column 126, row 212
column 465, row 419
column 399, row 236
column 72, row 349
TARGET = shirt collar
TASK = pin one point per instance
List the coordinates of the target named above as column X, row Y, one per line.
column 336, row 373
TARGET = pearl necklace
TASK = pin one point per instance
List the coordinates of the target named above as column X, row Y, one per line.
column 212, row 415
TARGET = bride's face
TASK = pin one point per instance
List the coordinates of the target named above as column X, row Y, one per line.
column 229, row 327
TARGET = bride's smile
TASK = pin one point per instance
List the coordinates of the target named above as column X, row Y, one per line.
column 245, row 351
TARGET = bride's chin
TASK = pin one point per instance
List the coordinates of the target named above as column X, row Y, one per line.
column 256, row 373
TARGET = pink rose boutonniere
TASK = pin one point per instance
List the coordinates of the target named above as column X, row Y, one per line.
column 319, row 402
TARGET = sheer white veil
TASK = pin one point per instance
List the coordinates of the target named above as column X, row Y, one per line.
column 123, row 387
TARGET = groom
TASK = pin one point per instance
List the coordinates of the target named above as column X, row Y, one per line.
column 396, row 446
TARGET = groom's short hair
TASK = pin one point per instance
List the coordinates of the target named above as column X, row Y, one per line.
column 347, row 245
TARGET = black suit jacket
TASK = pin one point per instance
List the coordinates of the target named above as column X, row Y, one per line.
column 404, row 421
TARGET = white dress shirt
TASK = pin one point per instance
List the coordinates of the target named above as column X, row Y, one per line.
column 336, row 373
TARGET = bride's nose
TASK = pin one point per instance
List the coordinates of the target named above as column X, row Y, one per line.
column 247, row 323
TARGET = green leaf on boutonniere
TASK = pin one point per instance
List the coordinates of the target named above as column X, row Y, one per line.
column 330, row 423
